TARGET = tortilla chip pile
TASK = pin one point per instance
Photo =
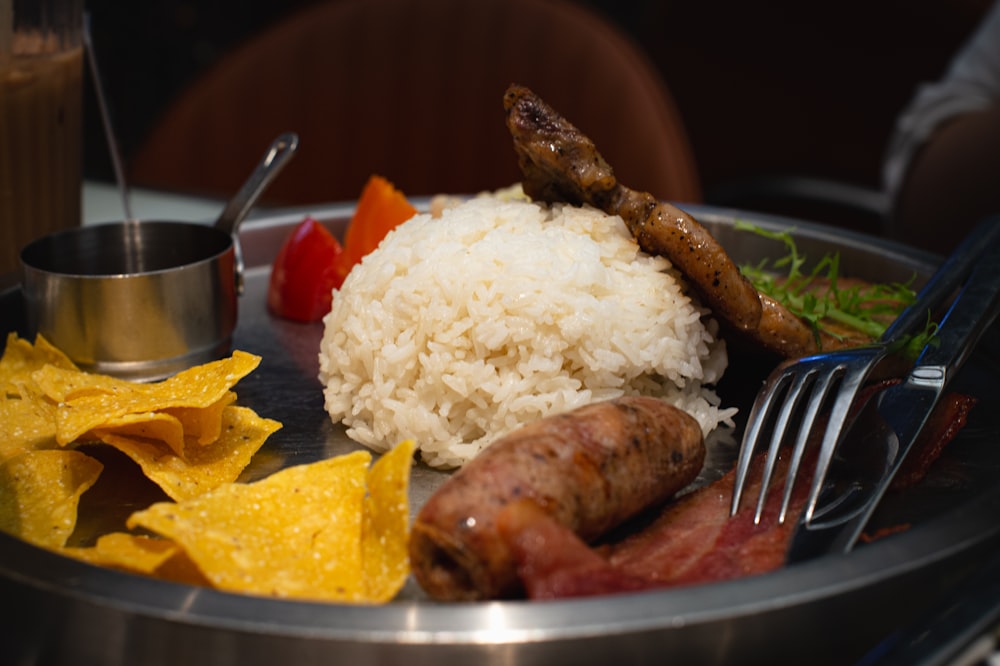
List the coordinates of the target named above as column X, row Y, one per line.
column 333, row 530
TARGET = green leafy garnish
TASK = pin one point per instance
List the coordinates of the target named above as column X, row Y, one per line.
column 814, row 294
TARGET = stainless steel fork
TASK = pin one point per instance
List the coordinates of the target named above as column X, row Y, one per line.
column 798, row 391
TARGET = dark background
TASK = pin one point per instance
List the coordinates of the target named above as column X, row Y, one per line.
column 772, row 87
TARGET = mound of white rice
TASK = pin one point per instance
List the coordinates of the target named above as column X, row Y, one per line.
column 461, row 328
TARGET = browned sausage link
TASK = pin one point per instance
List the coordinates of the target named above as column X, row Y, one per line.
column 591, row 469
column 665, row 230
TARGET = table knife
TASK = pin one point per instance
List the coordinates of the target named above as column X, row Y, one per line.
column 887, row 426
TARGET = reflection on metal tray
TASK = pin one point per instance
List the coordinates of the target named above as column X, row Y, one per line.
column 60, row 611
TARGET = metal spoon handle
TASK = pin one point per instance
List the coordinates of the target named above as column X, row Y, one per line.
column 109, row 131
column 274, row 160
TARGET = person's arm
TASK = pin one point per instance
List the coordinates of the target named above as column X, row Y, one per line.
column 952, row 183
column 941, row 169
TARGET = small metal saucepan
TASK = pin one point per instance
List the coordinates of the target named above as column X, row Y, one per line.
column 144, row 299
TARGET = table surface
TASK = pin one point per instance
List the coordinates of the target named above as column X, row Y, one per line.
column 102, row 202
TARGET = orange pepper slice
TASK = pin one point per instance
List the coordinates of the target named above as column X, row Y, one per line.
column 381, row 208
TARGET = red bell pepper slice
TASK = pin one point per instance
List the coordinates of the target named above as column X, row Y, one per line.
column 304, row 273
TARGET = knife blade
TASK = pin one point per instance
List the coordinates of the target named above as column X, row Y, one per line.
column 887, row 426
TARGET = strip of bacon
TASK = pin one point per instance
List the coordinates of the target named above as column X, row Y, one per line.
column 949, row 418
column 553, row 562
column 696, row 541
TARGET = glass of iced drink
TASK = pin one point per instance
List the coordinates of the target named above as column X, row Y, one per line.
column 41, row 98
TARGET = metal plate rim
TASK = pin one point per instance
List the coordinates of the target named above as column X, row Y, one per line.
column 511, row 623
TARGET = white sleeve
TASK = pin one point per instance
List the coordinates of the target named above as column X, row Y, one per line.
column 971, row 83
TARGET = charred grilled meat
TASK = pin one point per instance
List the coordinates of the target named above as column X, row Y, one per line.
column 560, row 163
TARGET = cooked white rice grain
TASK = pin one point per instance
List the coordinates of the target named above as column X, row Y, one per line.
column 459, row 329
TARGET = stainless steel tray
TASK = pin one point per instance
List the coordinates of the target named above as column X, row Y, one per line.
column 834, row 610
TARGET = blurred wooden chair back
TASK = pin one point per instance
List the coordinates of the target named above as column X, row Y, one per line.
column 412, row 90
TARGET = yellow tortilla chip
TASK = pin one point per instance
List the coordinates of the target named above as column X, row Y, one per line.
column 88, row 401
column 180, row 568
column 27, row 417
column 295, row 533
column 122, row 550
column 203, row 468
column 140, row 554
column 27, row 422
column 152, row 426
column 21, row 358
column 176, row 427
column 202, row 425
column 64, row 384
column 385, row 531
column 40, row 491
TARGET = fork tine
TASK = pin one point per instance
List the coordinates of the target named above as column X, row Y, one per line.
column 821, row 390
column 783, row 392
column 803, row 381
column 853, row 378
column 788, row 407
column 755, row 421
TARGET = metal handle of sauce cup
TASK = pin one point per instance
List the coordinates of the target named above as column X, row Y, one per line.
column 144, row 299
